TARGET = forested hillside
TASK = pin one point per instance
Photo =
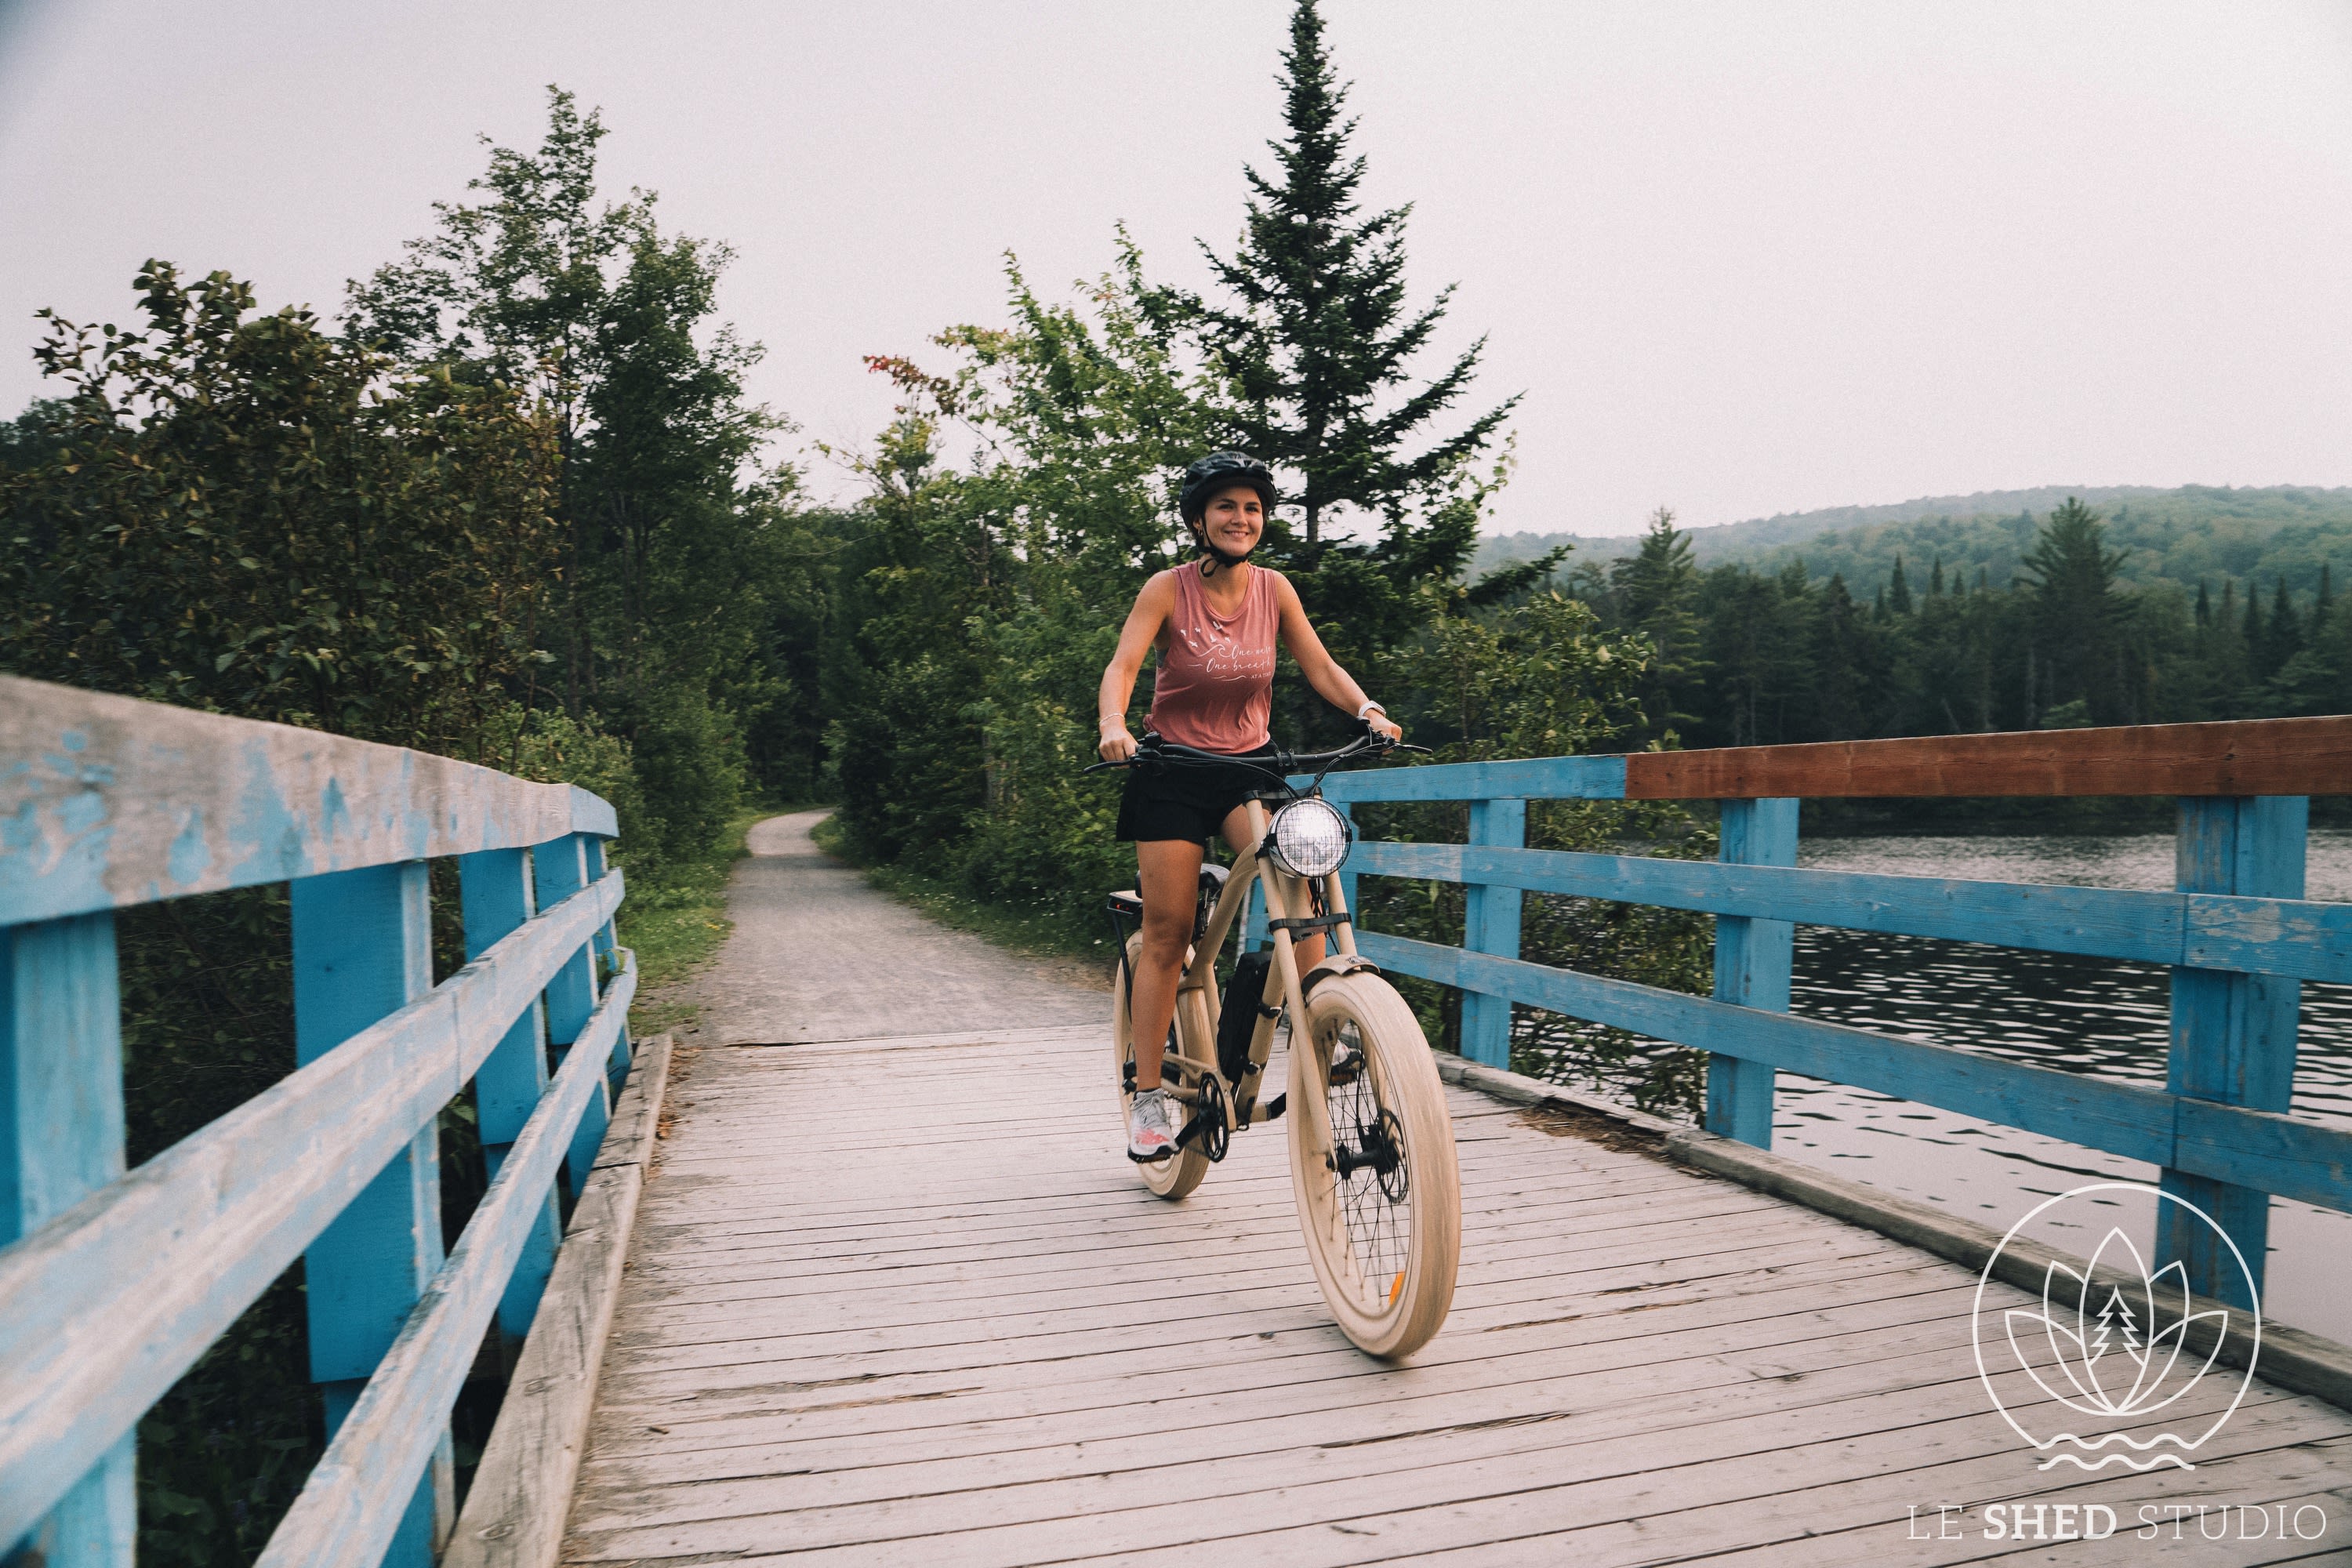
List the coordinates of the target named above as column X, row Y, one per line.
column 2186, row 535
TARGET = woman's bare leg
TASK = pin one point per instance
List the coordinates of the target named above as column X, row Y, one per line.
column 1168, row 875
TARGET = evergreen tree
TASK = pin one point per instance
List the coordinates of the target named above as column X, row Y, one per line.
column 1936, row 580
column 1898, row 591
column 1655, row 593
column 2204, row 605
column 2282, row 638
column 2078, row 612
column 1318, row 338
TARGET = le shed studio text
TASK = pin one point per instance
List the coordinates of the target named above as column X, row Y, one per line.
column 2097, row 1522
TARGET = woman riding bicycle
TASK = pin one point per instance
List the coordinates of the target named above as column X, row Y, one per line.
column 1214, row 622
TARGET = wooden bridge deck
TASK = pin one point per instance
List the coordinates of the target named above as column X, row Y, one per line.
column 894, row 1296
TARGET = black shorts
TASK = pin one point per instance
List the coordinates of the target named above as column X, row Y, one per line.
column 1187, row 800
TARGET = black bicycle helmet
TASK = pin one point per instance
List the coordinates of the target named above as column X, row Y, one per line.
column 1222, row 471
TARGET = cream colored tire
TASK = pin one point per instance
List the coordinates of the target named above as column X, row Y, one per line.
column 1386, row 1238
column 1178, row 1174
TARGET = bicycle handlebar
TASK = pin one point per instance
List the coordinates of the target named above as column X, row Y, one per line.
column 1278, row 765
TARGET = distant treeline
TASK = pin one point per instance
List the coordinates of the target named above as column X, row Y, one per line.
column 2192, row 535
column 1776, row 652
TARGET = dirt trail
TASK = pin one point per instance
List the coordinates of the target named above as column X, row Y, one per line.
column 817, row 955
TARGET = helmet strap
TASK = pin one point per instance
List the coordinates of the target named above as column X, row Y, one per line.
column 1212, row 557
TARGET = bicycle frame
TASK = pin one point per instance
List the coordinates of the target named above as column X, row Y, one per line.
column 1287, row 900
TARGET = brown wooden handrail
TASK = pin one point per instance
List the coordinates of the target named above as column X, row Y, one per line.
column 2245, row 757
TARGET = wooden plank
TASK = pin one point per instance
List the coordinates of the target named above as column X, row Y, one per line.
column 2255, row 756
column 102, row 1309
column 2248, row 935
column 514, row 1516
column 354, row 1511
column 61, row 1139
column 2296, row 1159
column 111, row 801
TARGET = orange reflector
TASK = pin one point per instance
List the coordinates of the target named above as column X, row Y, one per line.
column 1398, row 1288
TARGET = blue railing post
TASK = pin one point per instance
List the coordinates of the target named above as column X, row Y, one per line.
column 1490, row 924
column 561, row 868
column 61, row 1139
column 2233, row 1035
column 607, row 943
column 363, row 950
column 1752, row 962
column 494, row 887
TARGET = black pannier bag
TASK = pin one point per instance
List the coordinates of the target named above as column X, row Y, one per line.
column 1244, row 1004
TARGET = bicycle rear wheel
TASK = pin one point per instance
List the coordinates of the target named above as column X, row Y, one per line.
column 1178, row 1174
column 1372, row 1163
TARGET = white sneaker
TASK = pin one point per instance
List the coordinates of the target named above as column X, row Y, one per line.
column 1148, row 1135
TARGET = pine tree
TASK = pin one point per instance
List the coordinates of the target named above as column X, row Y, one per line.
column 1936, row 580
column 1318, row 338
column 2078, row 611
column 2283, row 639
column 1898, row 592
column 2204, row 605
column 1655, row 589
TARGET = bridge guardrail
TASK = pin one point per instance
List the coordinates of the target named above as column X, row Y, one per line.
column 113, row 1282
column 2237, row 933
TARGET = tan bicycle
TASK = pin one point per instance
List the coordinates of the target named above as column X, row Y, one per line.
column 1371, row 1147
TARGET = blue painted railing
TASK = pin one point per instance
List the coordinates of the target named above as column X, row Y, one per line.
column 112, row 1282
column 2237, row 934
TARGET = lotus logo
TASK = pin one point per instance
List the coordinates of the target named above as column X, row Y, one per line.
column 2100, row 1373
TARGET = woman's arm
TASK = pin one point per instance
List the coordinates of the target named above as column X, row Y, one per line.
column 1152, row 608
column 1335, row 685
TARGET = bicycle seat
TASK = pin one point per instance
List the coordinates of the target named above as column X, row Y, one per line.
column 1213, row 880
column 1128, row 903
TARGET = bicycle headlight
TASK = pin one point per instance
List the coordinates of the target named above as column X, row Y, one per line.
column 1308, row 838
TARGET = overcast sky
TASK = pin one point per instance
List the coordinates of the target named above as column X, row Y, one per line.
column 1742, row 258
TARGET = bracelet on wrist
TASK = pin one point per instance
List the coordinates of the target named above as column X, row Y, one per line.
column 1370, row 708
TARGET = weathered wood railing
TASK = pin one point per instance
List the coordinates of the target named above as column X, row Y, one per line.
column 2237, row 935
column 114, row 1282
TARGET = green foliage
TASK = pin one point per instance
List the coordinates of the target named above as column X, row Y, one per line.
column 1544, row 677
column 532, row 437
column 1316, row 338
column 238, row 513
column 687, row 586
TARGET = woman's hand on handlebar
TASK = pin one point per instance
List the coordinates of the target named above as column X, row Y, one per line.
column 1381, row 724
column 1116, row 744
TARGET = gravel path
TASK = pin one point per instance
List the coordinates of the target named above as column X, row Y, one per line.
column 817, row 955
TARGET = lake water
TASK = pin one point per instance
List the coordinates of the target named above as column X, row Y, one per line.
column 2085, row 1014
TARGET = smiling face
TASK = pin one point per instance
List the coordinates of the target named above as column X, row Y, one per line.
column 1233, row 519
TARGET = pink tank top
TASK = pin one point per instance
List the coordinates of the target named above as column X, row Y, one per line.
column 1215, row 685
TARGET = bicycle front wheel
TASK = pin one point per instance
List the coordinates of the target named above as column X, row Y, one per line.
column 1178, row 1174
column 1372, row 1163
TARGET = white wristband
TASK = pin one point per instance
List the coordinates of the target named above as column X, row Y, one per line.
column 1372, row 707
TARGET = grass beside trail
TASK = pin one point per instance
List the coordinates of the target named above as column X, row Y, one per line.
column 1044, row 932
column 675, row 917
